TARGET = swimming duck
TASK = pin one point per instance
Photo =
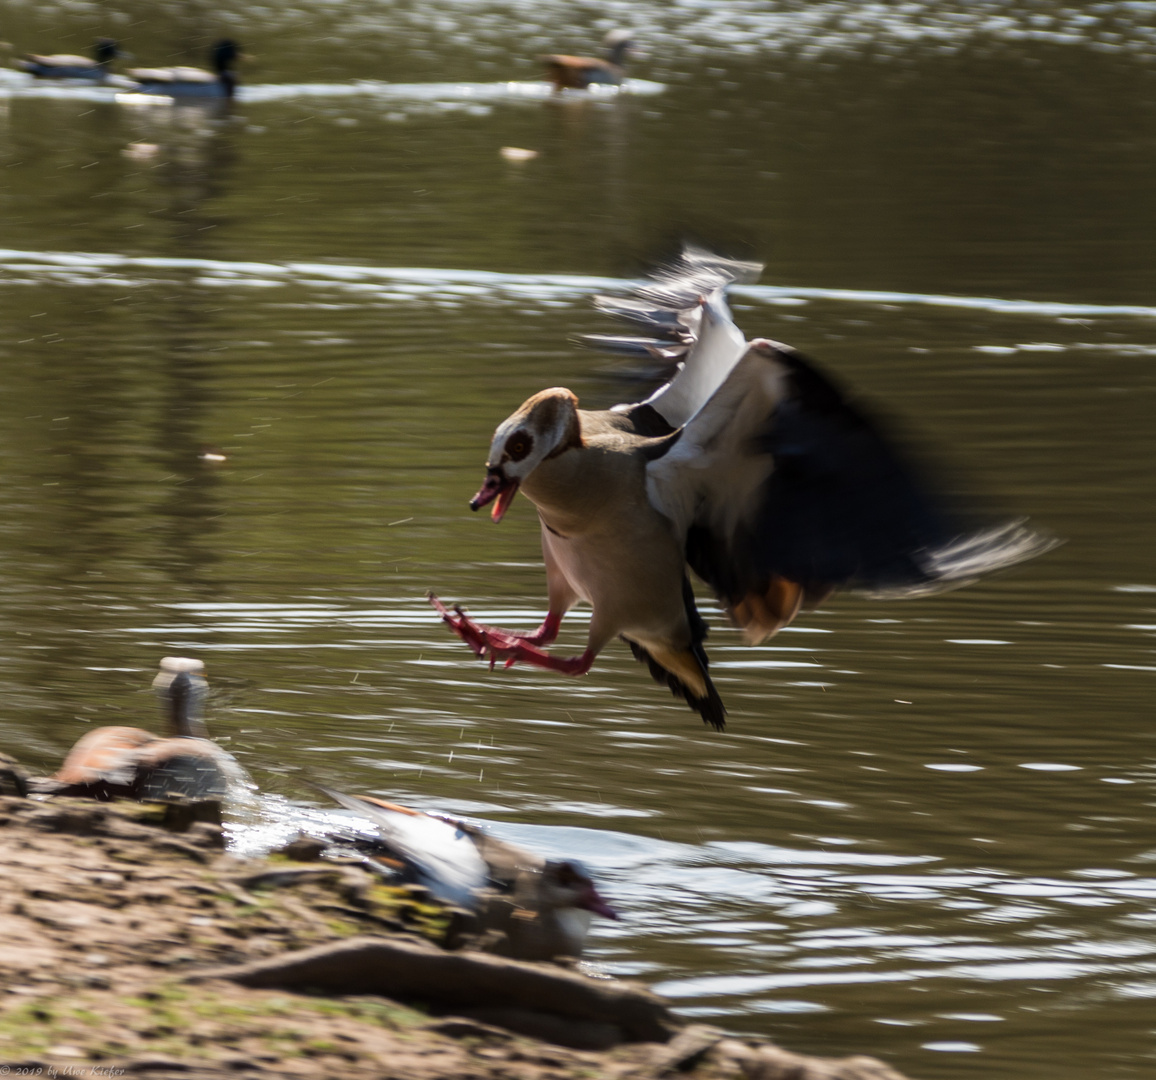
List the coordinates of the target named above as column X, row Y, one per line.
column 66, row 66
column 529, row 907
column 750, row 465
column 129, row 762
column 191, row 82
column 579, row 72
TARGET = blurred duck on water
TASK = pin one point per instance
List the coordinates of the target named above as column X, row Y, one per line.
column 65, row 66
column 131, row 763
column 749, row 465
column 580, row 72
column 193, row 83
column 510, row 901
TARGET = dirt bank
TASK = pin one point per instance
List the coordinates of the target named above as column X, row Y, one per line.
column 124, row 946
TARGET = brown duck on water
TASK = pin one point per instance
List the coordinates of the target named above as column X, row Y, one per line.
column 580, row 72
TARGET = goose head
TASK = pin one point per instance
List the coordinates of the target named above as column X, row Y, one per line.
column 568, row 884
column 181, row 687
column 543, row 427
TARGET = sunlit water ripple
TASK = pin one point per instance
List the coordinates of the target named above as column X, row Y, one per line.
column 403, row 99
column 440, row 285
column 751, row 27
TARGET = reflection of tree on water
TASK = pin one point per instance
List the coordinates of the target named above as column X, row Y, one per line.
column 188, row 154
column 141, row 361
column 188, row 512
column 118, row 399
column 194, row 160
column 583, row 145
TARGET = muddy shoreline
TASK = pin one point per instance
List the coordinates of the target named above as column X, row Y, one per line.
column 129, row 947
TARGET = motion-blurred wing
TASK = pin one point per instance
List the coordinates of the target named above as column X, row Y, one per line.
column 683, row 308
column 443, row 855
column 785, row 491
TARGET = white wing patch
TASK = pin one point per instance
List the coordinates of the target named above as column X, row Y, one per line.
column 718, row 346
column 713, row 466
column 444, row 855
column 684, row 306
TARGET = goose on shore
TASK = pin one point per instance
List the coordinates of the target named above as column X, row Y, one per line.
column 191, row 82
column 750, row 466
column 579, row 72
column 132, row 763
column 66, row 66
column 534, row 908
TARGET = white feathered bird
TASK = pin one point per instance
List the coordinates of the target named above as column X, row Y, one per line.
column 541, row 907
column 749, row 465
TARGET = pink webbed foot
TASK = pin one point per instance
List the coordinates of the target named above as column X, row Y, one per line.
column 493, row 644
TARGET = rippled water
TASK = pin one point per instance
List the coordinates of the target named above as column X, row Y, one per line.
column 927, row 832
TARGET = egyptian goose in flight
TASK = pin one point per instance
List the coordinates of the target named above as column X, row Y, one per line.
column 749, row 465
column 579, row 72
column 129, row 762
column 66, row 66
column 541, row 908
column 191, row 82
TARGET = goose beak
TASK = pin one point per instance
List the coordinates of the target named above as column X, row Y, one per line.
column 498, row 487
column 590, row 900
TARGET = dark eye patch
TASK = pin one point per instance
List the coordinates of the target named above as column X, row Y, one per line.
column 519, row 445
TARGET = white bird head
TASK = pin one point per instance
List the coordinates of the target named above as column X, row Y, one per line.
column 543, row 427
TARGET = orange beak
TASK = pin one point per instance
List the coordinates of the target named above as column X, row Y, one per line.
column 497, row 487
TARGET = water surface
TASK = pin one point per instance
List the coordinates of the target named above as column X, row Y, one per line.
column 927, row 832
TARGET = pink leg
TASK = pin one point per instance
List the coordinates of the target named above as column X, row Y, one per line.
column 495, row 645
column 472, row 633
column 547, row 632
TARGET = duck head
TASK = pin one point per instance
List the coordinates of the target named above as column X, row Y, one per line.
column 105, row 51
column 619, row 44
column 546, row 425
column 224, row 54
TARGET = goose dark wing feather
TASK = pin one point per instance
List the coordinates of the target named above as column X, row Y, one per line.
column 787, row 490
column 843, row 508
column 839, row 507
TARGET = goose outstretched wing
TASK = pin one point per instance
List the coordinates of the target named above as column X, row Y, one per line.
column 783, row 489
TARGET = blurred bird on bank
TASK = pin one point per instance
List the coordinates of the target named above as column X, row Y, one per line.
column 132, row 763
column 529, row 907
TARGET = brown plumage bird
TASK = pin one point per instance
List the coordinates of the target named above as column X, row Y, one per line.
column 536, row 908
column 749, row 465
column 129, row 762
column 579, row 72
